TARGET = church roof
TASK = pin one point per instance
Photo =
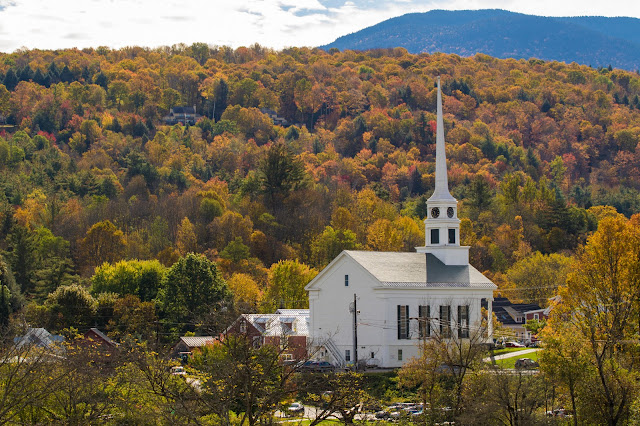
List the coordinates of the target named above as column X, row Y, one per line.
column 396, row 269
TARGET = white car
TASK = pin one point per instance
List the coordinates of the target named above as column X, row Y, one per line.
column 178, row 370
column 295, row 409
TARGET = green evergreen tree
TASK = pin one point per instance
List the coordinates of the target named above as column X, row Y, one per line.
column 26, row 73
column 5, row 305
column 66, row 76
column 11, row 79
column 102, row 80
column 221, row 95
column 16, row 300
column 280, row 172
column 22, row 257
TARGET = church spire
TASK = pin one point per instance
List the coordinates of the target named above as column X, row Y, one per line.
column 441, row 192
column 442, row 226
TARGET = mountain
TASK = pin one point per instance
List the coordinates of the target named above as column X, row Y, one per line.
column 587, row 40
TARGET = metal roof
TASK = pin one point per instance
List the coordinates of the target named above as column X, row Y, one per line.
column 197, row 341
column 277, row 324
column 37, row 337
column 103, row 336
column 397, row 269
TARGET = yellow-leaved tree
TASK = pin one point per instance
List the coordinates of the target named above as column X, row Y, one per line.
column 593, row 331
column 287, row 279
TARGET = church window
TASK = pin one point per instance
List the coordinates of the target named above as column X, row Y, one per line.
column 435, row 236
column 424, row 324
column 347, row 355
column 346, row 280
column 445, row 320
column 399, row 354
column 463, row 321
column 452, row 236
column 403, row 322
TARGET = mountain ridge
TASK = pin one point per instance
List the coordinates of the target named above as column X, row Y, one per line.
column 587, row 40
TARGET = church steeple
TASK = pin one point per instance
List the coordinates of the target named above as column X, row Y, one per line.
column 441, row 192
column 442, row 226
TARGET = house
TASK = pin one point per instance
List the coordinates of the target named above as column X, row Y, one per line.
column 539, row 314
column 375, row 307
column 98, row 338
column 514, row 316
column 287, row 328
column 184, row 115
column 38, row 337
column 187, row 344
column 273, row 115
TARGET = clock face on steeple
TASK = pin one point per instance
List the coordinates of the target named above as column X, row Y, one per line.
column 435, row 212
column 450, row 212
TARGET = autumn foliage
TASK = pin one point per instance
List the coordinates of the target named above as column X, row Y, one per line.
column 91, row 174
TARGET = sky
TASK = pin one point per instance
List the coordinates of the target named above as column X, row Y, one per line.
column 58, row 24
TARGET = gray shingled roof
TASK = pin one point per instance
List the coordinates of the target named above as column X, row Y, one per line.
column 397, row 269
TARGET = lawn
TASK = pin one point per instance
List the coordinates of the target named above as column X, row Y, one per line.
column 511, row 362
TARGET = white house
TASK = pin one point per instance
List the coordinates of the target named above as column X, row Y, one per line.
column 400, row 298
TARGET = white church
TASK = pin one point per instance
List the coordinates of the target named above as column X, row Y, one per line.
column 400, row 298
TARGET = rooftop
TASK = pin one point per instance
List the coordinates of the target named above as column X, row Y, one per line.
column 397, row 269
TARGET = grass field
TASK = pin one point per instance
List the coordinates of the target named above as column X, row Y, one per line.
column 511, row 362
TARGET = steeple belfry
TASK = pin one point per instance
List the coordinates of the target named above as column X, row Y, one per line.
column 442, row 226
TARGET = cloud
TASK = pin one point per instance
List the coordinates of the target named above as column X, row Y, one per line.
column 75, row 36
column 48, row 24
column 177, row 18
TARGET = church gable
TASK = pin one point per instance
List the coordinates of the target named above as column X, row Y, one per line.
column 343, row 259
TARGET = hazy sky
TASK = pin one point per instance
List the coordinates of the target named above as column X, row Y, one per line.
column 52, row 24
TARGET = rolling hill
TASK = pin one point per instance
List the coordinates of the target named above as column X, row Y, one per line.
column 595, row 41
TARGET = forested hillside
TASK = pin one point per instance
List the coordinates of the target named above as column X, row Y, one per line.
column 588, row 40
column 90, row 174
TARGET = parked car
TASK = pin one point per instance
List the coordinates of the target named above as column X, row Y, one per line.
column 382, row 415
column 395, row 415
column 513, row 345
column 178, row 371
column 448, row 369
column 295, row 409
column 317, row 366
column 526, row 363
column 560, row 412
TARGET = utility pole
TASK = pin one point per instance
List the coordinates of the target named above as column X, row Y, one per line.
column 355, row 333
